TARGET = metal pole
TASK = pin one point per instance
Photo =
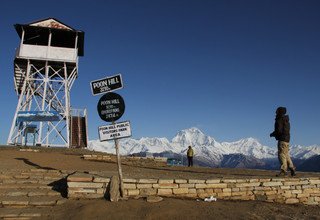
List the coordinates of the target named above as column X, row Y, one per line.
column 116, row 142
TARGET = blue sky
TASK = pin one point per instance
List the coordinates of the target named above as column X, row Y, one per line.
column 220, row 65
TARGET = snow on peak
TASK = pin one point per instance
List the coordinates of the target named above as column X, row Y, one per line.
column 204, row 146
column 192, row 136
column 250, row 147
column 302, row 152
column 190, row 133
column 251, row 141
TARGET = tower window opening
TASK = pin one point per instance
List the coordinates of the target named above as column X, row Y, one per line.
column 63, row 39
column 36, row 37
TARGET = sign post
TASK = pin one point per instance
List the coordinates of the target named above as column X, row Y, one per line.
column 115, row 131
column 116, row 143
column 110, row 108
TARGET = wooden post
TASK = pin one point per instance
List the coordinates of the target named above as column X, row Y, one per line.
column 116, row 142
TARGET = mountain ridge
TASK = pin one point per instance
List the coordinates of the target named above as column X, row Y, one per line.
column 206, row 147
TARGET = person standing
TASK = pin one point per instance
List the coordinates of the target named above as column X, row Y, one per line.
column 190, row 154
column 282, row 135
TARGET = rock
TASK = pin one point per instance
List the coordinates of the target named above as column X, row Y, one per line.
column 153, row 199
column 114, row 189
column 80, row 177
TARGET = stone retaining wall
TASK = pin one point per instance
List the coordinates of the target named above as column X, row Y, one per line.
column 137, row 161
column 280, row 190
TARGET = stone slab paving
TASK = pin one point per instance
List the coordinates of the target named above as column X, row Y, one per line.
column 24, row 193
column 23, row 201
column 28, row 192
column 26, row 213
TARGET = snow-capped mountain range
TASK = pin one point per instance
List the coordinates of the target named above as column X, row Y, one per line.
column 206, row 148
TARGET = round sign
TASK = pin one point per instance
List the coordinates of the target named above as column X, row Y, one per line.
column 111, row 107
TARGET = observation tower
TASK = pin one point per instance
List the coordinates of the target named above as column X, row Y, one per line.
column 45, row 68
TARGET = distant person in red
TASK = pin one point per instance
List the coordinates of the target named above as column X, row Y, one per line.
column 282, row 135
column 190, row 154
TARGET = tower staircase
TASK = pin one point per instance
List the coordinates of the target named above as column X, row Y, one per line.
column 19, row 77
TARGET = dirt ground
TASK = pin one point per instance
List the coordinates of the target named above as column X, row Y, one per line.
column 70, row 159
column 182, row 209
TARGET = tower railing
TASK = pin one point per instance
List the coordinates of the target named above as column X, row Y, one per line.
column 47, row 53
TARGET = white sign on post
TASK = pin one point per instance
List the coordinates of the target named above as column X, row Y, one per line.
column 115, row 131
column 106, row 84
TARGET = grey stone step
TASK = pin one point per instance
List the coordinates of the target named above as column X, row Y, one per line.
column 28, row 192
column 30, row 176
column 24, row 201
column 19, row 181
column 22, row 213
column 24, row 186
column 29, row 181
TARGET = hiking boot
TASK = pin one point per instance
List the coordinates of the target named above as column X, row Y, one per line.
column 282, row 173
column 292, row 172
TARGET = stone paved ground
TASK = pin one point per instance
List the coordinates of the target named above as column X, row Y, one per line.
column 24, row 193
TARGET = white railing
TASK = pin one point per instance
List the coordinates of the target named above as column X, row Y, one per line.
column 47, row 53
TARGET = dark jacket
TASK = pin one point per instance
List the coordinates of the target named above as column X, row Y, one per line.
column 281, row 126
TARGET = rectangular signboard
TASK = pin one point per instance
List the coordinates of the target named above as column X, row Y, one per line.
column 115, row 131
column 38, row 116
column 106, row 85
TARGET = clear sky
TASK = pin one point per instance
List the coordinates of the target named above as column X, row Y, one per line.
column 220, row 65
